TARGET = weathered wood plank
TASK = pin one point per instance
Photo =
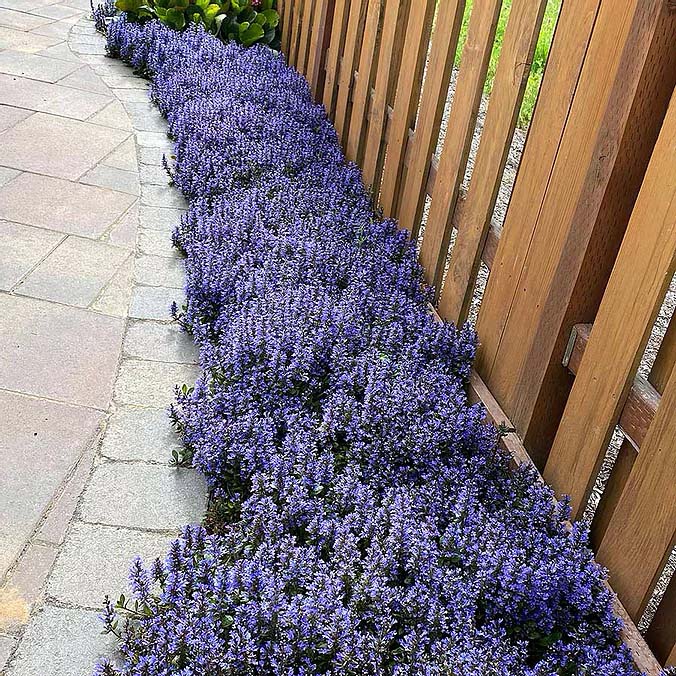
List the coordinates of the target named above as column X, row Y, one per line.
column 319, row 40
column 406, row 100
column 368, row 62
column 286, row 25
column 305, row 28
column 661, row 634
column 521, row 34
column 642, row 273
column 462, row 119
column 353, row 39
column 389, row 59
column 335, row 51
column 432, row 104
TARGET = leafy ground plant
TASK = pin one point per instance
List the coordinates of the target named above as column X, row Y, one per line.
column 363, row 520
column 245, row 21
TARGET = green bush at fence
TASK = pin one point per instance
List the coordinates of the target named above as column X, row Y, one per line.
column 245, row 21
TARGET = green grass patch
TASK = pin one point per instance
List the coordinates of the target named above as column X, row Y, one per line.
column 539, row 58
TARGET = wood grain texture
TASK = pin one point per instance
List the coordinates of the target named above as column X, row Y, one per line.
column 636, row 288
column 389, row 60
column 319, row 41
column 432, row 103
column 334, row 54
column 560, row 79
column 462, row 119
column 597, row 174
column 521, row 34
column 305, row 31
column 406, row 100
column 353, row 38
column 661, row 634
column 368, row 63
column 286, row 25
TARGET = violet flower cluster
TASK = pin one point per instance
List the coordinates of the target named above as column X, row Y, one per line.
column 363, row 520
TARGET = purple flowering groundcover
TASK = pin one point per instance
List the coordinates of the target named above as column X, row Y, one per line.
column 363, row 520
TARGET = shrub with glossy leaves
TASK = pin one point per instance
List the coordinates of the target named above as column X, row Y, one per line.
column 363, row 520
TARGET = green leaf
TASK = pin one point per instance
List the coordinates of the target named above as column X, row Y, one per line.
column 271, row 17
column 251, row 34
column 260, row 19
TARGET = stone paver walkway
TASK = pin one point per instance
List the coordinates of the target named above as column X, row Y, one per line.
column 88, row 354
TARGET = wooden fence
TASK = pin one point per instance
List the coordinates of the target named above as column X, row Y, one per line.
column 582, row 263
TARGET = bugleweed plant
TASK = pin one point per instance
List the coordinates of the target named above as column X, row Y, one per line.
column 363, row 520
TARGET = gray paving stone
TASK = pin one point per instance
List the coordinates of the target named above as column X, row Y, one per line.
column 146, row 116
column 140, row 434
column 115, row 179
column 40, row 441
column 74, row 147
column 9, row 116
column 60, row 51
column 113, row 115
column 155, row 155
column 50, row 98
column 132, row 94
column 7, row 175
column 123, row 233
column 164, row 220
column 58, row 29
column 53, row 528
column 98, row 47
column 64, row 206
column 25, row 5
column 150, row 383
column 162, row 196
column 75, row 272
column 56, row 11
column 34, row 66
column 115, row 297
column 7, row 644
column 22, row 248
column 159, row 271
column 151, row 497
column 26, row 583
column 124, row 157
column 68, row 640
column 159, row 342
column 152, row 174
column 85, row 78
column 154, row 302
column 154, row 139
column 154, row 242
column 25, row 42
column 87, row 38
column 20, row 20
column 59, row 352
column 95, row 561
column 120, row 81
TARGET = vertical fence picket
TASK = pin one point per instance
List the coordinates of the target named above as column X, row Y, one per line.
column 319, row 41
column 432, row 104
column 406, row 100
column 468, row 90
column 306, row 25
column 521, row 34
column 334, row 54
column 642, row 272
column 286, row 25
column 389, row 60
column 294, row 43
column 350, row 58
column 362, row 90
column 661, row 634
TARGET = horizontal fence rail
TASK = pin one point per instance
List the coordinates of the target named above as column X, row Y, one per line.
column 580, row 265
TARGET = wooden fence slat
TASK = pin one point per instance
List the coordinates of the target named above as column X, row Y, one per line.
column 389, row 59
column 642, row 530
column 432, row 104
column 304, row 46
column 335, row 50
column 367, row 64
column 521, row 34
column 642, row 272
column 321, row 28
column 462, row 119
column 566, row 56
column 406, row 100
column 350, row 57
column 286, row 26
column 295, row 32
column 661, row 634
